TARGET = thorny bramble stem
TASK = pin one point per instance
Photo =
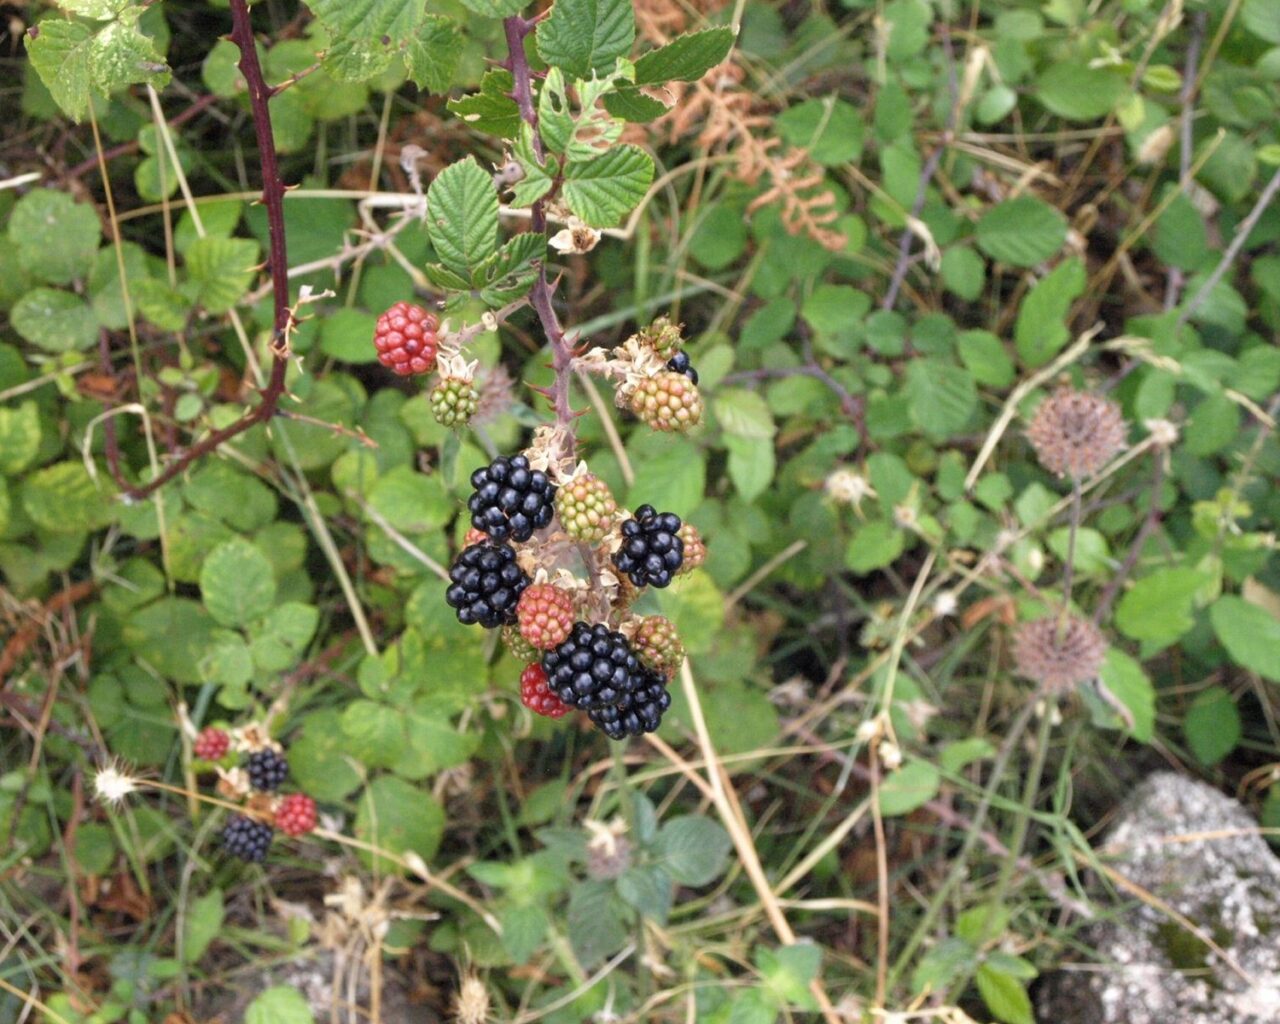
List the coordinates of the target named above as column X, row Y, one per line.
column 273, row 191
column 517, row 30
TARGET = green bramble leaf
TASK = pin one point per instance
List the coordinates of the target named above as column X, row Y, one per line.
column 56, row 238
column 64, row 498
column 399, row 817
column 632, row 105
column 19, row 437
column 943, row 397
column 54, row 320
column 495, row 8
column 510, row 272
column 237, row 583
column 693, row 849
column 202, row 925
column 491, row 109
column 219, row 271
column 1157, row 608
column 98, row 10
column 1041, row 330
column 1021, row 232
column 1262, row 18
column 911, row 786
column 686, row 58
column 1250, row 634
column 585, row 36
column 1212, row 725
column 1006, row 997
column 431, row 53
column 462, row 216
column 279, row 1005
column 362, row 33
column 605, row 189
column 74, row 60
column 442, row 277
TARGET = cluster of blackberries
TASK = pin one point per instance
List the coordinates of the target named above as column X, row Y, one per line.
column 679, row 363
column 249, row 838
column 510, row 499
column 651, row 552
column 596, row 669
column 485, row 584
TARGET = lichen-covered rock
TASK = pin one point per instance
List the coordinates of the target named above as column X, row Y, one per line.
column 1199, row 853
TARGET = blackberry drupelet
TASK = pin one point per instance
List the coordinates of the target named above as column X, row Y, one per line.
column 639, row 712
column 247, row 839
column 511, row 500
column 594, row 668
column 266, row 769
column 679, row 363
column 486, row 583
column 651, row 551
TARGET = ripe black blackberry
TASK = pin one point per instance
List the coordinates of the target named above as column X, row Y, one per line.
column 639, row 712
column 486, row 583
column 594, row 668
column 246, row 838
column 511, row 500
column 266, row 769
column 679, row 363
column 651, row 552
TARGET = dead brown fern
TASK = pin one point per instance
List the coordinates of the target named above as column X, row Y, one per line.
column 727, row 117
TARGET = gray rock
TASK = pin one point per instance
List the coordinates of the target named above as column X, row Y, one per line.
column 1152, row 970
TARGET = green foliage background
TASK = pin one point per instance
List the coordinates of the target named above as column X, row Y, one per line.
column 1083, row 176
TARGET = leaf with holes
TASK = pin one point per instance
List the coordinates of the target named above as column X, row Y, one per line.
column 431, row 54
column 686, row 58
column 510, row 272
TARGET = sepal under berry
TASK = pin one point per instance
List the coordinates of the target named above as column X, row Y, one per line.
column 668, row 401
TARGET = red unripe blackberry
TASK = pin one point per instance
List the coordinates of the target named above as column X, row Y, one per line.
column 296, row 815
column 246, row 838
column 536, row 695
column 405, row 338
column 545, row 615
column 212, row 744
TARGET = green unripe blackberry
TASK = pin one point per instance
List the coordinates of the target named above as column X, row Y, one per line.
column 454, row 402
column 586, row 509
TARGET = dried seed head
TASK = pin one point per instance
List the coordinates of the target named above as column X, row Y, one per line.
column 1058, row 657
column 471, row 1004
column 1075, row 433
column 847, row 487
column 111, row 784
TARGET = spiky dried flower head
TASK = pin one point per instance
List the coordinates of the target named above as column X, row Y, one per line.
column 847, row 487
column 471, row 1004
column 1058, row 654
column 608, row 849
column 111, row 784
column 1076, row 433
